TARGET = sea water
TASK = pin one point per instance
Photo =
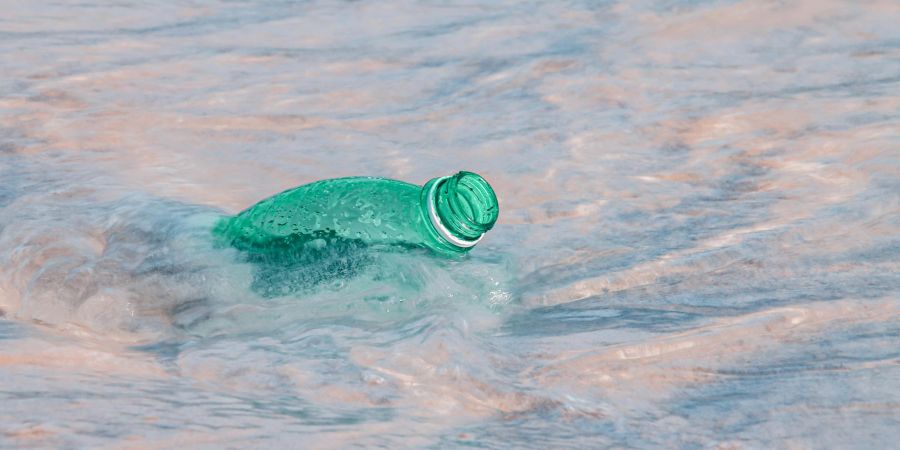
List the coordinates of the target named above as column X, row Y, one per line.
column 698, row 243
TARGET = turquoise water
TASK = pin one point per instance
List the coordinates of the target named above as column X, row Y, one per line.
column 698, row 243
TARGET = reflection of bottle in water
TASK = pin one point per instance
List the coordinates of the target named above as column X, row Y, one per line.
column 449, row 215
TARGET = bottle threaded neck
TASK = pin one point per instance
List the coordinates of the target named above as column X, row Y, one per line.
column 462, row 207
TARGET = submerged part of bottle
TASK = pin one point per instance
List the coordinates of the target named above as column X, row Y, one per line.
column 449, row 215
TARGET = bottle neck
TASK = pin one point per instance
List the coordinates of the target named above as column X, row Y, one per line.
column 461, row 208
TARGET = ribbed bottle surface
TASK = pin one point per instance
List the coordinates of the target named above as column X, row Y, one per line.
column 367, row 211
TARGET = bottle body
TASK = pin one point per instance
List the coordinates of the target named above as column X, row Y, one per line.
column 366, row 211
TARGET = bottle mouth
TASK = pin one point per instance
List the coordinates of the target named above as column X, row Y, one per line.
column 462, row 208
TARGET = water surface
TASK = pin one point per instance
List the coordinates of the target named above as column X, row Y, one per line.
column 698, row 243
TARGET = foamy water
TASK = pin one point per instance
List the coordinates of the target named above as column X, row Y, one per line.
column 698, row 246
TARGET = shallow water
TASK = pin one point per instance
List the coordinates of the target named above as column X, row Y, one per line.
column 698, row 243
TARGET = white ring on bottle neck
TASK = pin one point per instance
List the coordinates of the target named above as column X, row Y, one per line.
column 436, row 220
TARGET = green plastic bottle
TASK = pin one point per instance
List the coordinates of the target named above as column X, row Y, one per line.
column 449, row 215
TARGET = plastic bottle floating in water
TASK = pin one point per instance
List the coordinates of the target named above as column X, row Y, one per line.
column 449, row 215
